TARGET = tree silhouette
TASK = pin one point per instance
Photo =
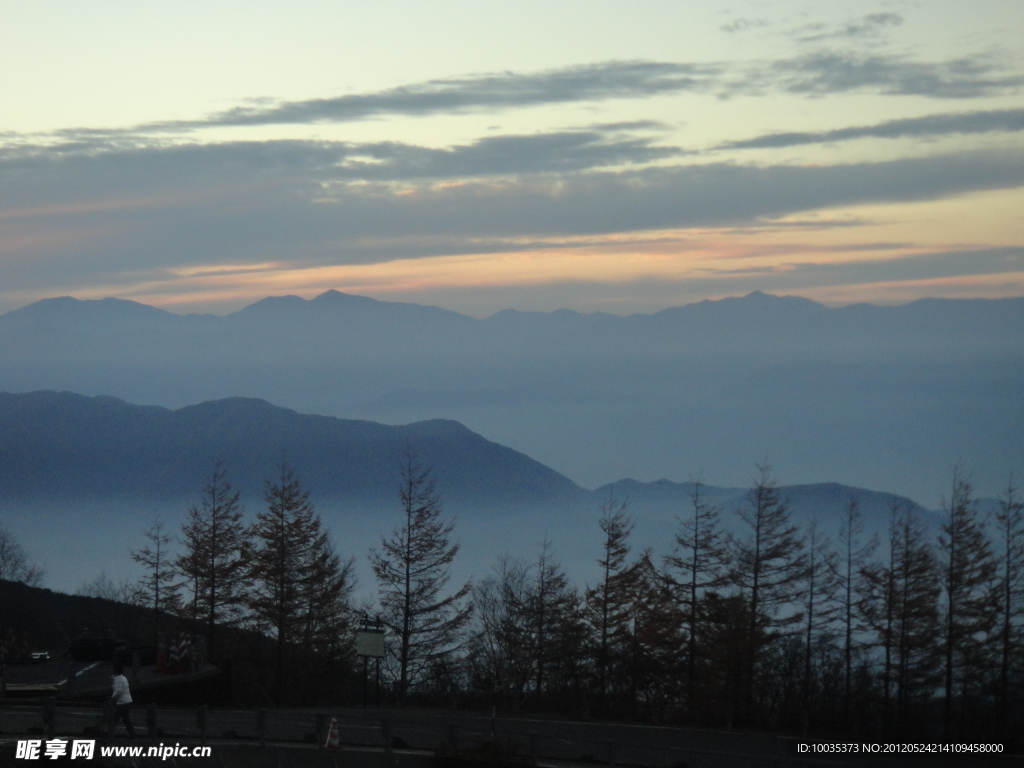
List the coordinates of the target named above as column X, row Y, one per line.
column 901, row 606
column 413, row 568
column 159, row 586
column 819, row 605
column 609, row 602
column 551, row 607
column 968, row 569
column 214, row 561
column 768, row 567
column 1010, row 595
column 291, row 560
column 14, row 561
column 852, row 557
column 699, row 562
column 500, row 641
column 653, row 660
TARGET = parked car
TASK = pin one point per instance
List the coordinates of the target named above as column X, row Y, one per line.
column 32, row 657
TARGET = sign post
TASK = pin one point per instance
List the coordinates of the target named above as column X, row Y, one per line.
column 370, row 644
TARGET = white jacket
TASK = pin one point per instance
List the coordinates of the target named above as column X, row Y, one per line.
column 121, row 693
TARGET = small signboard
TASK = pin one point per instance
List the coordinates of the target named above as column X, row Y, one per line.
column 370, row 643
column 370, row 639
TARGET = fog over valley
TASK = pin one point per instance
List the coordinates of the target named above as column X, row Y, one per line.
column 119, row 410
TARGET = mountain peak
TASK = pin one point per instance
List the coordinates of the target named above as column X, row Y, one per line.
column 338, row 298
column 770, row 299
column 96, row 446
column 68, row 308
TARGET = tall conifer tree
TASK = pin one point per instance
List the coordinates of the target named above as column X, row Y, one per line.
column 551, row 603
column 609, row 601
column 291, row 560
column 159, row 586
column 413, row 568
column 655, row 639
column 214, row 561
column 698, row 563
column 902, row 606
column 968, row 570
column 819, row 604
column 501, row 636
column 1010, row 596
column 852, row 557
column 769, row 567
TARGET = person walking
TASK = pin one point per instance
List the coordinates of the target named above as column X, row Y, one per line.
column 122, row 698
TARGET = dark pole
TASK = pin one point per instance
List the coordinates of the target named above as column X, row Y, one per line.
column 378, row 682
column 366, row 661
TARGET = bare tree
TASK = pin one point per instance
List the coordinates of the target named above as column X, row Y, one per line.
column 14, row 561
column 654, row 639
column 609, row 602
column 818, row 602
column 327, row 594
column 1010, row 596
column 851, row 559
column 699, row 561
column 551, row 607
column 106, row 588
column 901, row 606
column 216, row 542
column 768, row 569
column 413, row 568
column 968, row 570
column 159, row 586
column 500, row 640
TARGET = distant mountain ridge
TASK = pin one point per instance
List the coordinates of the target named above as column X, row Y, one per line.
column 888, row 396
column 98, row 469
column 726, row 314
column 61, row 443
column 66, row 444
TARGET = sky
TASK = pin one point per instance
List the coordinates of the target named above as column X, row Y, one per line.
column 611, row 156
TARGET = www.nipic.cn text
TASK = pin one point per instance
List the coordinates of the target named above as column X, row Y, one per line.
column 85, row 749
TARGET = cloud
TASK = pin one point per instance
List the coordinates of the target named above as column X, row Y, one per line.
column 900, row 278
column 920, row 266
column 85, row 169
column 556, row 152
column 917, row 127
column 315, row 176
column 743, row 24
column 917, row 269
column 868, row 26
column 592, row 82
column 814, row 74
column 308, row 203
column 829, row 72
column 914, row 272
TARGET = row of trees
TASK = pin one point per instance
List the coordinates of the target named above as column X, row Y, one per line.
column 773, row 625
column 279, row 576
column 769, row 625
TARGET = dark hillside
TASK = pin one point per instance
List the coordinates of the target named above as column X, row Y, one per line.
column 37, row 619
column 63, row 444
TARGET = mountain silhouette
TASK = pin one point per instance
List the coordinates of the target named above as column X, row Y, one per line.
column 64, row 444
column 881, row 396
